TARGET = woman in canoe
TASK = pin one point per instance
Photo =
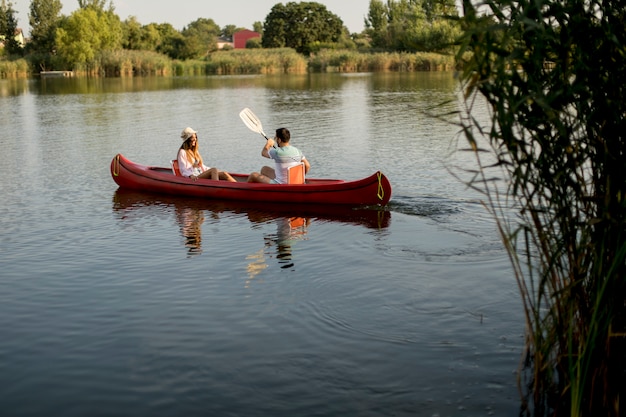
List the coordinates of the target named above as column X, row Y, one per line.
column 190, row 162
column 285, row 156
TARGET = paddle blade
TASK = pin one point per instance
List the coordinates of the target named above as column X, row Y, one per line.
column 251, row 121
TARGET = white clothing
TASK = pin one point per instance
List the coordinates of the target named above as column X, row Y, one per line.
column 189, row 167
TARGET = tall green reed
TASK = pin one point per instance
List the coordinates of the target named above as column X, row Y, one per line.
column 551, row 73
column 331, row 60
column 18, row 68
column 256, row 61
column 128, row 63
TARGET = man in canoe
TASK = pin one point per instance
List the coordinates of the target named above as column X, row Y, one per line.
column 190, row 162
column 285, row 156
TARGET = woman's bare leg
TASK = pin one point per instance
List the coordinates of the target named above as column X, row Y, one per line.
column 210, row 174
column 226, row 176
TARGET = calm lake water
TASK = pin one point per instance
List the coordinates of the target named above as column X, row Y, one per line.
column 126, row 304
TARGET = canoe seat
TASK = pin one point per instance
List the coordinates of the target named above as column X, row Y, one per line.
column 295, row 174
column 175, row 168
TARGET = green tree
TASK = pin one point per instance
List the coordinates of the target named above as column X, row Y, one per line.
column 258, row 27
column 552, row 75
column 413, row 25
column 376, row 24
column 200, row 38
column 44, row 19
column 132, row 32
column 436, row 9
column 151, row 37
column 86, row 33
column 300, row 25
column 97, row 5
column 169, row 41
column 228, row 31
column 441, row 29
column 405, row 17
column 8, row 29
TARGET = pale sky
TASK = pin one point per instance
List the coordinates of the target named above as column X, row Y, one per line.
column 179, row 13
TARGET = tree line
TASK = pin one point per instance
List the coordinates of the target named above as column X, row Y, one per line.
column 58, row 41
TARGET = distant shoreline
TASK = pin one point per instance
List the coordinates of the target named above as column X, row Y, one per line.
column 127, row 63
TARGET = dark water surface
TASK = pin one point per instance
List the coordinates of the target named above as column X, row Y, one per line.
column 125, row 304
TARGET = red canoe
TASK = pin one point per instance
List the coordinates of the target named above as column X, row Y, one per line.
column 373, row 190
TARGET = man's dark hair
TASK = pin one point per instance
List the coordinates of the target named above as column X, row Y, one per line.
column 283, row 134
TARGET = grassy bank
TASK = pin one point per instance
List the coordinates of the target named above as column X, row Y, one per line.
column 352, row 61
column 127, row 63
column 19, row 68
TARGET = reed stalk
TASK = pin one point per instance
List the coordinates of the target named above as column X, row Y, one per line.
column 128, row 63
column 331, row 60
column 18, row 68
column 557, row 140
column 256, row 61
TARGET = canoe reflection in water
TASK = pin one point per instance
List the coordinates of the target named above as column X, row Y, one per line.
column 292, row 221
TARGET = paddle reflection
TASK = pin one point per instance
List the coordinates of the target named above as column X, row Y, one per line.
column 292, row 222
